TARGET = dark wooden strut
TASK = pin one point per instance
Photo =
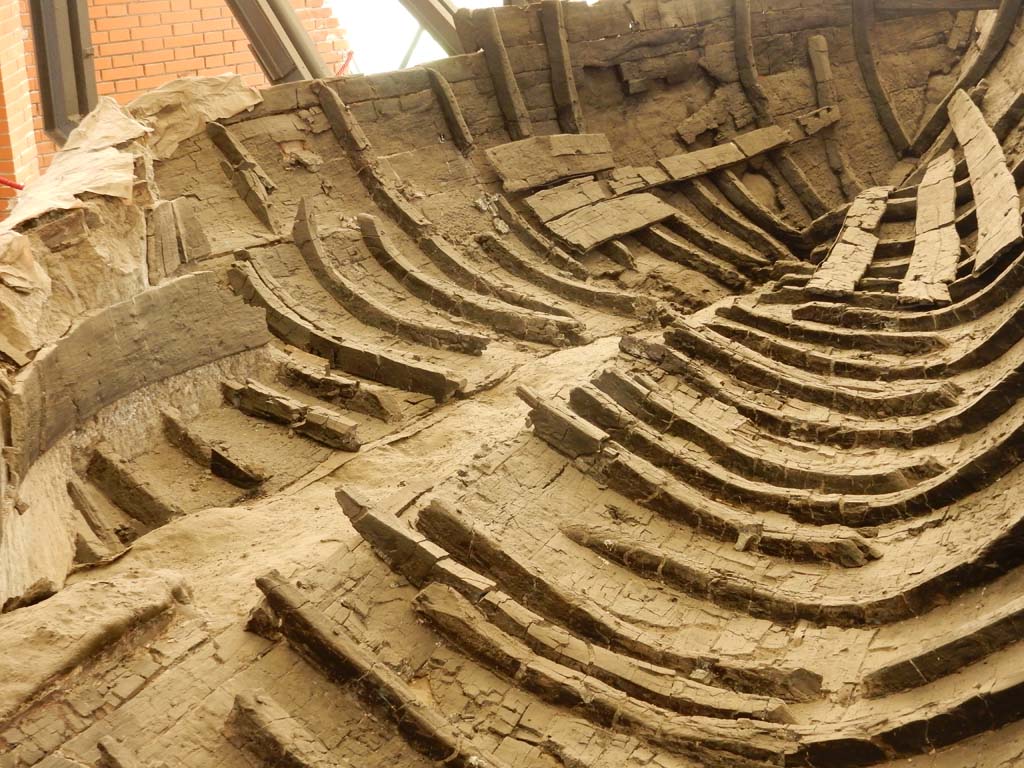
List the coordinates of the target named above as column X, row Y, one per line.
column 449, row 103
column 563, row 82
column 747, row 68
column 506, row 89
column 249, row 179
column 862, row 19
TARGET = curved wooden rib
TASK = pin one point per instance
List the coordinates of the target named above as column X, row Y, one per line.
column 863, row 17
column 998, row 35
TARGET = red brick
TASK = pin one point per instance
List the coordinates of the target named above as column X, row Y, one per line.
column 147, row 83
column 210, row 25
column 150, row 57
column 122, row 73
column 176, row 16
column 155, row 30
column 130, row 46
column 212, row 49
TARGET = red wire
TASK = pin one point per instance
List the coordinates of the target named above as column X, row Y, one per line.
column 11, row 183
column 343, row 69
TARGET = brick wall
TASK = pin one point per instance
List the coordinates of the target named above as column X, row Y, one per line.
column 141, row 44
column 17, row 138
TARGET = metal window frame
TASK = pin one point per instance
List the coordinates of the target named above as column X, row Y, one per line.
column 65, row 62
column 278, row 41
column 438, row 18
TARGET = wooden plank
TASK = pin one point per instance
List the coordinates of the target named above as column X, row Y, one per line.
column 162, row 255
column 746, row 66
column 688, row 165
column 192, row 241
column 767, row 139
column 888, row 9
column 589, row 227
column 563, row 82
column 854, row 249
column 551, row 203
column 995, row 192
column 936, row 243
column 538, row 161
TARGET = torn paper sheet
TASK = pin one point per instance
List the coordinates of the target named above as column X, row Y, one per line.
column 181, row 109
column 107, row 172
column 108, row 125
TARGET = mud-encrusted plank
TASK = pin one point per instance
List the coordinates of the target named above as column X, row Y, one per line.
column 350, row 294
column 123, row 484
column 767, row 139
column 563, row 82
column 162, row 255
column 937, row 243
column 262, row 727
column 557, row 201
column 192, row 241
column 588, row 227
column 284, row 318
column 250, row 181
column 532, row 163
column 314, row 421
column 746, row 66
column 854, row 249
column 628, row 178
column 523, row 323
column 995, row 192
column 330, row 647
column 688, row 165
column 215, row 458
column 182, row 324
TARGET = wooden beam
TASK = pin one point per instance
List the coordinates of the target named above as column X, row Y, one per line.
column 863, row 19
column 449, row 104
column 890, row 9
column 510, row 98
column 563, row 82
column 747, row 66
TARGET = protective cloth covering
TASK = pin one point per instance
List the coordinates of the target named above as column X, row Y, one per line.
column 182, row 108
column 108, row 125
